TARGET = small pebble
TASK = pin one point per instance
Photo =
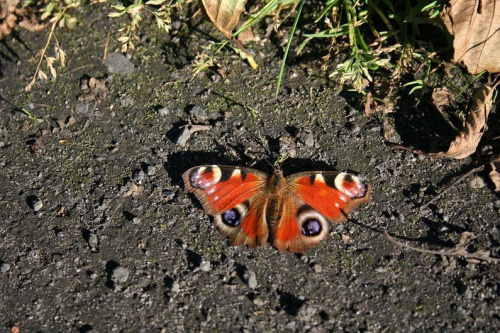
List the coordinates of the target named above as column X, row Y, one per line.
column 4, row 267
column 317, row 268
column 93, row 242
column 258, row 301
column 120, row 275
column 183, row 137
column 477, row 182
column 35, row 203
column 176, row 24
column 308, row 139
column 250, row 279
column 138, row 176
column 164, row 111
column 307, row 313
column 117, row 63
column 205, row 266
column 175, row 287
column 150, row 170
column 215, row 78
column 82, row 108
column 197, row 112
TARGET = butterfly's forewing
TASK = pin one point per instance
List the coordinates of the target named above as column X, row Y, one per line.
column 235, row 197
column 311, row 201
column 334, row 195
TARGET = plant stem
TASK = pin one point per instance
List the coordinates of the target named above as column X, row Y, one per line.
column 292, row 32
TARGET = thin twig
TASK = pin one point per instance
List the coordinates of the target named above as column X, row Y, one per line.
column 449, row 187
column 398, row 146
column 454, row 252
column 44, row 50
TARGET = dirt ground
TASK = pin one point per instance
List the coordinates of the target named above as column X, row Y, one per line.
column 97, row 234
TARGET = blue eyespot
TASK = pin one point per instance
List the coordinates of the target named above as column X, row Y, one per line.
column 232, row 218
column 311, row 227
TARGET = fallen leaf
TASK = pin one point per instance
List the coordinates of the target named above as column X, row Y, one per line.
column 222, row 71
column 224, row 14
column 476, row 28
column 465, row 143
column 247, row 36
column 13, row 14
column 133, row 190
column 442, row 98
column 346, row 239
column 61, row 211
column 495, row 171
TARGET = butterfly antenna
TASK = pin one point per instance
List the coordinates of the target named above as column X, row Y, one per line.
column 270, row 164
column 261, row 140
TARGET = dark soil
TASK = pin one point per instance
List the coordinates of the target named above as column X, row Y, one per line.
column 97, row 234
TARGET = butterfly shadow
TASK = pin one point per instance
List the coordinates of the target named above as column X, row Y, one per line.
column 435, row 234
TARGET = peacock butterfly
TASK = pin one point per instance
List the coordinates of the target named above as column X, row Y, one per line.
column 250, row 207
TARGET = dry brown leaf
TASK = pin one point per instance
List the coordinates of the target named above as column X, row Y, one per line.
column 247, row 36
column 466, row 141
column 495, row 171
column 12, row 14
column 475, row 25
column 442, row 98
column 133, row 190
column 224, row 14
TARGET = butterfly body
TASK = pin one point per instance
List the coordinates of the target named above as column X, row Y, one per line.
column 293, row 213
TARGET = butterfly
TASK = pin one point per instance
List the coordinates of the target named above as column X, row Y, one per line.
column 294, row 213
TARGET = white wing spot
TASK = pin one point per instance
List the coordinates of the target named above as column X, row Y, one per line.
column 319, row 178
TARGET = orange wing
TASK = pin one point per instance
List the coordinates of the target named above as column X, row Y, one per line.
column 235, row 197
column 310, row 202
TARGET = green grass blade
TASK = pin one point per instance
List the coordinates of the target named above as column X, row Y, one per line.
column 292, row 32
